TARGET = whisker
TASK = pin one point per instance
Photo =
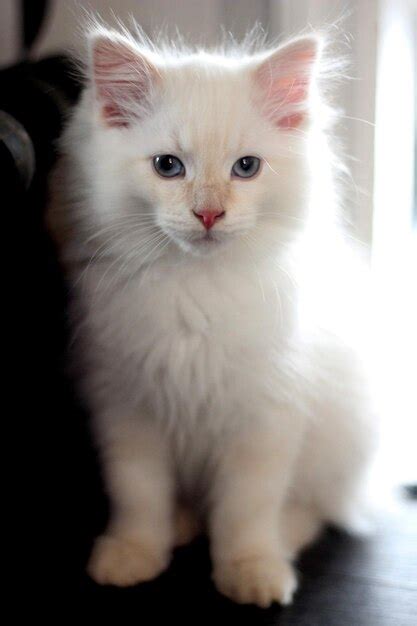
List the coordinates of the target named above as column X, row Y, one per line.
column 105, row 248
column 118, row 226
column 164, row 243
column 135, row 251
column 246, row 240
column 270, row 167
column 357, row 119
column 275, row 285
column 123, row 256
column 278, row 214
column 164, row 240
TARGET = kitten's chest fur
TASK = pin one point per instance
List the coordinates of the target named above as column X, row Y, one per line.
column 188, row 339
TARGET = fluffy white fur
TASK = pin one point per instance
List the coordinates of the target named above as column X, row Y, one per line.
column 222, row 373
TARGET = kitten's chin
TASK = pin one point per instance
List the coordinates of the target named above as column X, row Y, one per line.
column 204, row 244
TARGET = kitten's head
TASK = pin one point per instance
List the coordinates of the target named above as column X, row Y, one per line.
column 207, row 147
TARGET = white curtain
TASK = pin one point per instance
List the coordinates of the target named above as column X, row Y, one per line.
column 356, row 36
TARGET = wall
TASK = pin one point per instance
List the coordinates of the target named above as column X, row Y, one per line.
column 196, row 19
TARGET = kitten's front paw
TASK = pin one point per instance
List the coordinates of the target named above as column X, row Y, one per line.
column 262, row 580
column 124, row 562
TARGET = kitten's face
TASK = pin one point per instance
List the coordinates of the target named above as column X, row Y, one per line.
column 201, row 161
column 206, row 156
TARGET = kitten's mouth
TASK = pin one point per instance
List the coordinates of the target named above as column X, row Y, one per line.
column 209, row 236
column 202, row 242
column 208, row 239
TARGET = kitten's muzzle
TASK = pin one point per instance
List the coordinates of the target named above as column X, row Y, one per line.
column 208, row 217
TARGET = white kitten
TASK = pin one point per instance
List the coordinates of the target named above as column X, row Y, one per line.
column 214, row 308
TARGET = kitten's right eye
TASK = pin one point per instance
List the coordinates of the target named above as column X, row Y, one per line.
column 168, row 166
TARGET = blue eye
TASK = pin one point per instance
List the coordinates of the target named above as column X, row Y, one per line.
column 246, row 167
column 168, row 165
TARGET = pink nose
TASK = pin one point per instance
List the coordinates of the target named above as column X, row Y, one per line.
column 209, row 216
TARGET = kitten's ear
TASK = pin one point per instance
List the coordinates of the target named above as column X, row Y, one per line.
column 283, row 81
column 122, row 78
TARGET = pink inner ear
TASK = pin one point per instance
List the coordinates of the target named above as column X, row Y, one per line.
column 285, row 77
column 121, row 77
column 291, row 121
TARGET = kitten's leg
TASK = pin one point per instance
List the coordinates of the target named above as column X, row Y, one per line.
column 338, row 461
column 250, row 557
column 300, row 526
column 138, row 541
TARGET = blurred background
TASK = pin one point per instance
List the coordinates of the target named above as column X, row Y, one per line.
column 377, row 129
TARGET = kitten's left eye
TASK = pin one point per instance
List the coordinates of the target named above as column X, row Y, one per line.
column 246, row 167
column 168, row 165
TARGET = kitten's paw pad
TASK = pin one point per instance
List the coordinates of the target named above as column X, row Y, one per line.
column 260, row 581
column 123, row 562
